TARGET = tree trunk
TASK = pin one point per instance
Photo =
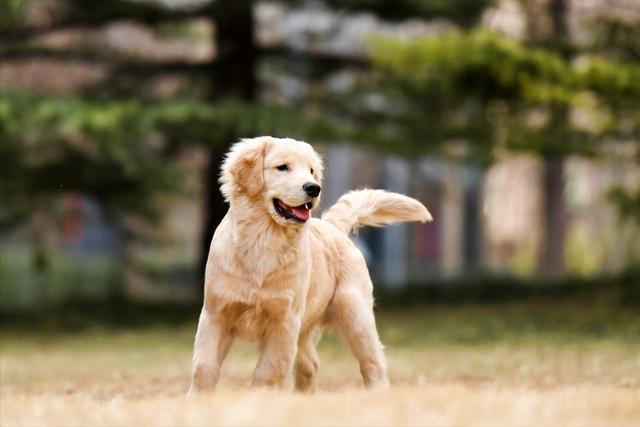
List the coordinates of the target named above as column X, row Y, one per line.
column 472, row 226
column 552, row 252
column 551, row 258
column 234, row 77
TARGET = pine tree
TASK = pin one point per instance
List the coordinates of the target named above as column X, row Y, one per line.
column 117, row 123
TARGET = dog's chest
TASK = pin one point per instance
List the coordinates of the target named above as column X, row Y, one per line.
column 258, row 262
column 259, row 280
column 261, row 310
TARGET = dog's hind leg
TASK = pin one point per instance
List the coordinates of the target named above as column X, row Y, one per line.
column 211, row 347
column 351, row 310
column 306, row 366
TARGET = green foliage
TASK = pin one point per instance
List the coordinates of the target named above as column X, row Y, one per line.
column 497, row 93
column 616, row 37
column 54, row 145
column 626, row 202
column 488, row 65
column 118, row 151
column 10, row 13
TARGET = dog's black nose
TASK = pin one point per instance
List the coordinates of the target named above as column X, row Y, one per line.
column 311, row 188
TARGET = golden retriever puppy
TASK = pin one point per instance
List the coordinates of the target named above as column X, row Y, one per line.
column 276, row 275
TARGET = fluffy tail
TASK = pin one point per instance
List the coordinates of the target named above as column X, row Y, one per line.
column 375, row 208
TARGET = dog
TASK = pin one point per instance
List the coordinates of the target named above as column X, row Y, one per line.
column 277, row 276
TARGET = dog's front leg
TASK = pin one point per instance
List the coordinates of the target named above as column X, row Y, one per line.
column 278, row 349
column 211, row 346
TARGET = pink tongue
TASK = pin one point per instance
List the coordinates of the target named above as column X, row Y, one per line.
column 301, row 213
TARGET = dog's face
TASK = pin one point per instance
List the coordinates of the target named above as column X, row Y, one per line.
column 283, row 175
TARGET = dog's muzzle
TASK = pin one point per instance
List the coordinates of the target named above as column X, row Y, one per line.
column 295, row 213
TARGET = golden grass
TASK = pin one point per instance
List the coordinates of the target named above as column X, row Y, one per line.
column 139, row 377
column 420, row 405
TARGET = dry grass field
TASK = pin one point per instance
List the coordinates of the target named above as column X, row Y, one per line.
column 515, row 364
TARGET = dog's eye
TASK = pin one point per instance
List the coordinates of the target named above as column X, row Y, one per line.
column 311, row 171
column 283, row 168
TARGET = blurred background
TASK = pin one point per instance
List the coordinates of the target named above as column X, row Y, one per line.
column 515, row 121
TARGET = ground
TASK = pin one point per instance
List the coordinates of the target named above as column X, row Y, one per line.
column 533, row 363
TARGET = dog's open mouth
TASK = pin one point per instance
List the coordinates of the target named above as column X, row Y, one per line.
column 298, row 213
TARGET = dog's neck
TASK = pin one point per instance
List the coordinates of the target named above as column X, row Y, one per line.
column 259, row 240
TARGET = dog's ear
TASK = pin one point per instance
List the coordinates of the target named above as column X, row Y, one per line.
column 244, row 167
column 248, row 170
column 318, row 168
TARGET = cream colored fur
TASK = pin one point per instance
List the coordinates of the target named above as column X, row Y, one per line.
column 279, row 282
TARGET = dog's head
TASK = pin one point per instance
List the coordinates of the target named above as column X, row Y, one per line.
column 281, row 174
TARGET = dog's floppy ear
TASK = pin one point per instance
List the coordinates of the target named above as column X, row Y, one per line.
column 248, row 170
column 244, row 167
